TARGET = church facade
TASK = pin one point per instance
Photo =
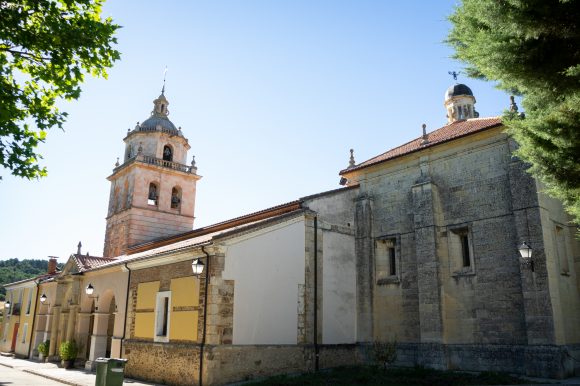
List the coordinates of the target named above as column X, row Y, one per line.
column 419, row 247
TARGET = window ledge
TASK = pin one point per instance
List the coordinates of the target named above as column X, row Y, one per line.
column 161, row 339
column 565, row 273
column 389, row 280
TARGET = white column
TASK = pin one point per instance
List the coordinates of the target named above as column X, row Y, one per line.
column 99, row 339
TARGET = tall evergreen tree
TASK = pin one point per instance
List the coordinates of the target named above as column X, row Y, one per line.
column 531, row 48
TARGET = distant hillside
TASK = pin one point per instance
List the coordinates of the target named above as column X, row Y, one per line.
column 14, row 270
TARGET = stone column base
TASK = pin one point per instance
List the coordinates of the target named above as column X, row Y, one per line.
column 90, row 366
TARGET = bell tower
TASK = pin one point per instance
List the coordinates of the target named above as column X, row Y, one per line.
column 152, row 190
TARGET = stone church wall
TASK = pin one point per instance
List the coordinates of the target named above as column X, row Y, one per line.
column 444, row 311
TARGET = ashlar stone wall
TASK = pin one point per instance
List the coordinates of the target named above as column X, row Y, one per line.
column 455, row 215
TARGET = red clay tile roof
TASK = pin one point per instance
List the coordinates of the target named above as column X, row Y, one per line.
column 446, row 133
column 86, row 262
column 235, row 222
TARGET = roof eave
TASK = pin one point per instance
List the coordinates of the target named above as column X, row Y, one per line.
column 426, row 146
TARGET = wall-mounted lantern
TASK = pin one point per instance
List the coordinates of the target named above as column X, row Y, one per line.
column 197, row 267
column 526, row 255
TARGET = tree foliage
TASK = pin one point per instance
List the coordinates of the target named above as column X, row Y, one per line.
column 531, row 48
column 46, row 49
column 14, row 270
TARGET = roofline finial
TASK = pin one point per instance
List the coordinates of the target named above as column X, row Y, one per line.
column 164, row 74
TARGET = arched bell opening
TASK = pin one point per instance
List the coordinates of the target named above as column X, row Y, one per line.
column 167, row 153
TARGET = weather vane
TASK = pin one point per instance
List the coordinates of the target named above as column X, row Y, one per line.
column 164, row 74
column 454, row 74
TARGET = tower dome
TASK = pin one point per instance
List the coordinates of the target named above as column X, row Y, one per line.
column 159, row 121
column 459, row 103
column 458, row 89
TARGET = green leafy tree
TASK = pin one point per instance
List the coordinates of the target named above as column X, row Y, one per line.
column 12, row 270
column 531, row 48
column 46, row 49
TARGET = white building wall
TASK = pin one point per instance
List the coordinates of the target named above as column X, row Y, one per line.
column 338, row 289
column 267, row 268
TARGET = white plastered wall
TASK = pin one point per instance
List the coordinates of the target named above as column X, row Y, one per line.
column 267, row 267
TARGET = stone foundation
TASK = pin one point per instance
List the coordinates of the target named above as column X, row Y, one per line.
column 546, row 361
column 164, row 363
column 178, row 363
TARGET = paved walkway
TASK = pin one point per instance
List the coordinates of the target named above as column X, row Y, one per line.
column 75, row 377
column 80, row 377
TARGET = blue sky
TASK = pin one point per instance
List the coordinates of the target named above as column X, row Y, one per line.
column 271, row 95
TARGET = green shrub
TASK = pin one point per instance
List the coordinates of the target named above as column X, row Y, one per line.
column 385, row 352
column 68, row 350
column 43, row 347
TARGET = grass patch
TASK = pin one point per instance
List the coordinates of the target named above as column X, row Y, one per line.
column 367, row 375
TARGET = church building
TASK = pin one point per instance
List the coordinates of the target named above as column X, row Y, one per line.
column 444, row 245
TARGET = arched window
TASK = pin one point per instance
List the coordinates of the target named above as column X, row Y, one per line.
column 175, row 198
column 153, row 195
column 167, row 153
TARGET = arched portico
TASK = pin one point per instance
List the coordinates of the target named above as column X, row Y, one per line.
column 103, row 340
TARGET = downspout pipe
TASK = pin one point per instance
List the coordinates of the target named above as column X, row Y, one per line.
column 34, row 318
column 202, row 345
column 126, row 308
column 316, row 348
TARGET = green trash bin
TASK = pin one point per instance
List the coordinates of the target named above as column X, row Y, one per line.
column 110, row 371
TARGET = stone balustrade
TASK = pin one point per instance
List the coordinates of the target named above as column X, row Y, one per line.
column 158, row 162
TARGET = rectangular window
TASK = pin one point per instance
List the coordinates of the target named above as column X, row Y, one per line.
column 460, row 250
column 392, row 261
column 165, row 316
column 15, row 309
column 465, row 250
column 29, row 301
column 162, row 313
column 386, row 260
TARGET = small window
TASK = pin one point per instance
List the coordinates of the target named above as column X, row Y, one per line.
column 386, row 260
column 167, row 153
column 175, row 198
column 392, row 261
column 11, row 303
column 162, row 313
column 465, row 250
column 153, row 195
column 29, row 301
column 460, row 251
column 15, row 308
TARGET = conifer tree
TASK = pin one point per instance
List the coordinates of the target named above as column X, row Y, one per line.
column 531, row 48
